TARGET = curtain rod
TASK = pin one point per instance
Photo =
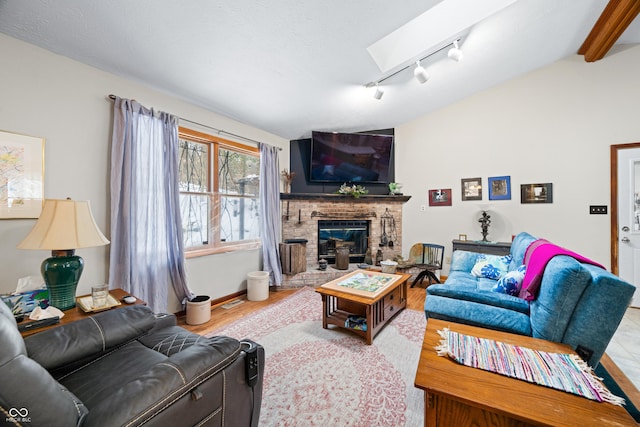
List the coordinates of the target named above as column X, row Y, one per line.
column 113, row 97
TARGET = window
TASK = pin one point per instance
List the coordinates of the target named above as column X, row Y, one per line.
column 219, row 190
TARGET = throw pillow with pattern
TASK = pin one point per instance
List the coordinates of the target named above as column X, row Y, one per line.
column 491, row 266
column 511, row 282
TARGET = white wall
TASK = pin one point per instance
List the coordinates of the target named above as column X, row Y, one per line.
column 50, row 96
column 552, row 125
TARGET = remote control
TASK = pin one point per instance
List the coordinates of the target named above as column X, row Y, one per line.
column 251, row 362
column 38, row 324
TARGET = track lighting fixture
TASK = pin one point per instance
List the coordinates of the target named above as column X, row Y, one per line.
column 420, row 73
column 379, row 92
column 455, row 53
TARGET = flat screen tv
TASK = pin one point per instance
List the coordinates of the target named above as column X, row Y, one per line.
column 350, row 157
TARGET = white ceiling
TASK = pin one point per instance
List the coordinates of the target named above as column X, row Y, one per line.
column 293, row 66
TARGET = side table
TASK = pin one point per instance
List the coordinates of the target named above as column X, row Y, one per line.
column 76, row 313
column 458, row 395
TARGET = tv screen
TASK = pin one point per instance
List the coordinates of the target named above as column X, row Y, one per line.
column 350, row 157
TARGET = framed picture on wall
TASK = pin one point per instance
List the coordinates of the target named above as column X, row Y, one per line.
column 440, row 197
column 471, row 188
column 536, row 193
column 500, row 188
column 21, row 175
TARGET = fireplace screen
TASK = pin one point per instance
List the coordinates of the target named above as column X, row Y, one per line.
column 333, row 234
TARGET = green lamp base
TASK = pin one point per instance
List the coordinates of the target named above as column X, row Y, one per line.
column 61, row 274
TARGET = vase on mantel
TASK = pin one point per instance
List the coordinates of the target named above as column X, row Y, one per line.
column 287, row 177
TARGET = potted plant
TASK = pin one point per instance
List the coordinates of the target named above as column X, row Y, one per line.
column 395, row 188
column 352, row 190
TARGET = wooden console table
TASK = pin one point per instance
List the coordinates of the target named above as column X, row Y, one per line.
column 490, row 248
column 76, row 313
column 458, row 395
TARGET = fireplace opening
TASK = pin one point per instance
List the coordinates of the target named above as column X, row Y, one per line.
column 333, row 234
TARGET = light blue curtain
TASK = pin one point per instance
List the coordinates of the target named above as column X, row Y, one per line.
column 147, row 254
column 270, row 226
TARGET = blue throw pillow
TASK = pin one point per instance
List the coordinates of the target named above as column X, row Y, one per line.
column 491, row 266
column 511, row 282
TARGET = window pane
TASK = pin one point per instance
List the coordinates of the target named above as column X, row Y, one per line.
column 194, row 166
column 196, row 216
column 239, row 219
column 238, row 173
column 220, row 214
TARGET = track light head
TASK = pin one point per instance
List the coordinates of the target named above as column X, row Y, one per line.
column 420, row 73
column 455, row 53
column 378, row 93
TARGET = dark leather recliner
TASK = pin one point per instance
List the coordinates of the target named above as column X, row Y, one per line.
column 125, row 367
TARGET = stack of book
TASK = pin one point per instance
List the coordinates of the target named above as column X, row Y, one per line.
column 356, row 322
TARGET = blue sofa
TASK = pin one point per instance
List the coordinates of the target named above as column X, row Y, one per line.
column 578, row 303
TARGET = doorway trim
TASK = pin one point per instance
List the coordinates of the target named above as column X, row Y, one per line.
column 614, row 201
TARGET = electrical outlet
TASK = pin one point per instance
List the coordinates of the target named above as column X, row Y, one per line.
column 423, row 208
column 598, row 209
column 447, row 260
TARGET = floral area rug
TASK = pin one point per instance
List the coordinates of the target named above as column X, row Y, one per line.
column 330, row 377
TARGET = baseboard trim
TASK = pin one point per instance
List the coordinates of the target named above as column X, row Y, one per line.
column 216, row 302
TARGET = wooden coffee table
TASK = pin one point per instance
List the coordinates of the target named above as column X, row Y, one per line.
column 458, row 395
column 338, row 305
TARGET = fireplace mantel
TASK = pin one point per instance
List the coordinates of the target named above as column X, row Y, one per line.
column 337, row 198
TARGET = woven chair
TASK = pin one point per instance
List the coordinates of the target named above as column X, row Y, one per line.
column 429, row 257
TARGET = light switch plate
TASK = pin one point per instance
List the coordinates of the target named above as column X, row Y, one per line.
column 598, row 209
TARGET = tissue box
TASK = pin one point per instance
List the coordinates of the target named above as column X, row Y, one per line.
column 24, row 303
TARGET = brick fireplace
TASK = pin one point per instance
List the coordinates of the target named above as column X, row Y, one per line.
column 301, row 213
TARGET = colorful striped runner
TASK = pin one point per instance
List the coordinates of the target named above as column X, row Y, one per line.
column 566, row 372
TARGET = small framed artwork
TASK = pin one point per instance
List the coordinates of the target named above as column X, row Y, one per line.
column 471, row 189
column 536, row 193
column 21, row 175
column 500, row 188
column 441, row 197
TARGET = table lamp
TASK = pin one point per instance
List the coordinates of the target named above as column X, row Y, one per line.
column 63, row 227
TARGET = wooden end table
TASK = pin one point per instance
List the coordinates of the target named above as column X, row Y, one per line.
column 337, row 306
column 458, row 395
column 76, row 313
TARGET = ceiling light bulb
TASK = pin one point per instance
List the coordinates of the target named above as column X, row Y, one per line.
column 455, row 53
column 420, row 73
column 379, row 92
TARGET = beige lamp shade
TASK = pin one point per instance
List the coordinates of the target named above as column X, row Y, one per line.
column 64, row 224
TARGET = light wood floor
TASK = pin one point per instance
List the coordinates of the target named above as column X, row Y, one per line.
column 221, row 316
column 415, row 301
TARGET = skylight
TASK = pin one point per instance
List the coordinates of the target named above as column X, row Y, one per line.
column 437, row 27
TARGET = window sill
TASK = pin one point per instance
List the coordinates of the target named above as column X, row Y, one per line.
column 195, row 253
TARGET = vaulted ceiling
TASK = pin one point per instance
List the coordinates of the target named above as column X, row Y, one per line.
column 293, row 66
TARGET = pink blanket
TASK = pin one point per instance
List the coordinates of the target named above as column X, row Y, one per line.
column 538, row 254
